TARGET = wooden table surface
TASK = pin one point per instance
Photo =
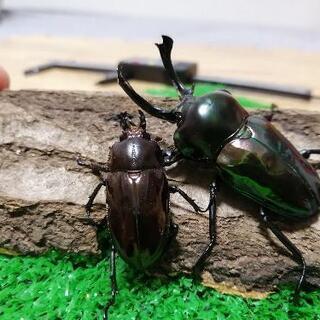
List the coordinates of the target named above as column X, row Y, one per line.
column 291, row 67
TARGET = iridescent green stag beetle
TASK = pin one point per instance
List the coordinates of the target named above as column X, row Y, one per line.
column 249, row 154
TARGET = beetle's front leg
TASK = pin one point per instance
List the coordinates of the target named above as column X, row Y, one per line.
column 171, row 156
column 96, row 167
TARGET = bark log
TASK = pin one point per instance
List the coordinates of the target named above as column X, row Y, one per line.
column 43, row 190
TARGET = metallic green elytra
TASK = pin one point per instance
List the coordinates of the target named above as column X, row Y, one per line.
column 249, row 153
column 260, row 163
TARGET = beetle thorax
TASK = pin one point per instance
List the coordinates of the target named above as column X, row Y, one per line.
column 206, row 123
column 135, row 152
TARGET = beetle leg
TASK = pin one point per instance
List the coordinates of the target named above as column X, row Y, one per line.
column 165, row 49
column 171, row 156
column 297, row 255
column 174, row 189
column 212, row 229
column 113, row 279
column 158, row 112
column 89, row 204
column 93, row 165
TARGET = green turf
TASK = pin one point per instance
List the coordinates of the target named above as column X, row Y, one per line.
column 200, row 89
column 58, row 286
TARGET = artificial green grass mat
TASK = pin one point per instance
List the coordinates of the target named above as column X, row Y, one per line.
column 60, row 286
column 201, row 89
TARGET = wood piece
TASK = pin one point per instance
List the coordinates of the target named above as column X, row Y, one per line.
column 43, row 190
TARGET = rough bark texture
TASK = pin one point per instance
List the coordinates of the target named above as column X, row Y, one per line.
column 43, row 190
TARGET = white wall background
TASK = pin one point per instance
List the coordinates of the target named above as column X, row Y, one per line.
column 293, row 14
column 258, row 23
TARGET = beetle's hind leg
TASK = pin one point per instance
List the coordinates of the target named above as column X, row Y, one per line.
column 296, row 253
column 113, row 279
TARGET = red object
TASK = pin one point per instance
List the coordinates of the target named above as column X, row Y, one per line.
column 4, row 79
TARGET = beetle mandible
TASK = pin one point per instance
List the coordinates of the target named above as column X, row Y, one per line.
column 137, row 195
column 248, row 153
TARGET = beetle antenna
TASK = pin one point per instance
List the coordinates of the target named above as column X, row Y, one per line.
column 143, row 123
column 165, row 49
column 169, row 115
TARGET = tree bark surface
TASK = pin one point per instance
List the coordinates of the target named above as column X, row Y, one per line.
column 43, row 190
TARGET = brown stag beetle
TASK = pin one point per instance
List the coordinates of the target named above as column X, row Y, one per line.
column 138, row 197
column 248, row 153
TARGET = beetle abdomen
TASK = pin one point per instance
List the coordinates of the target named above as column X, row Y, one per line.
column 138, row 214
column 264, row 166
